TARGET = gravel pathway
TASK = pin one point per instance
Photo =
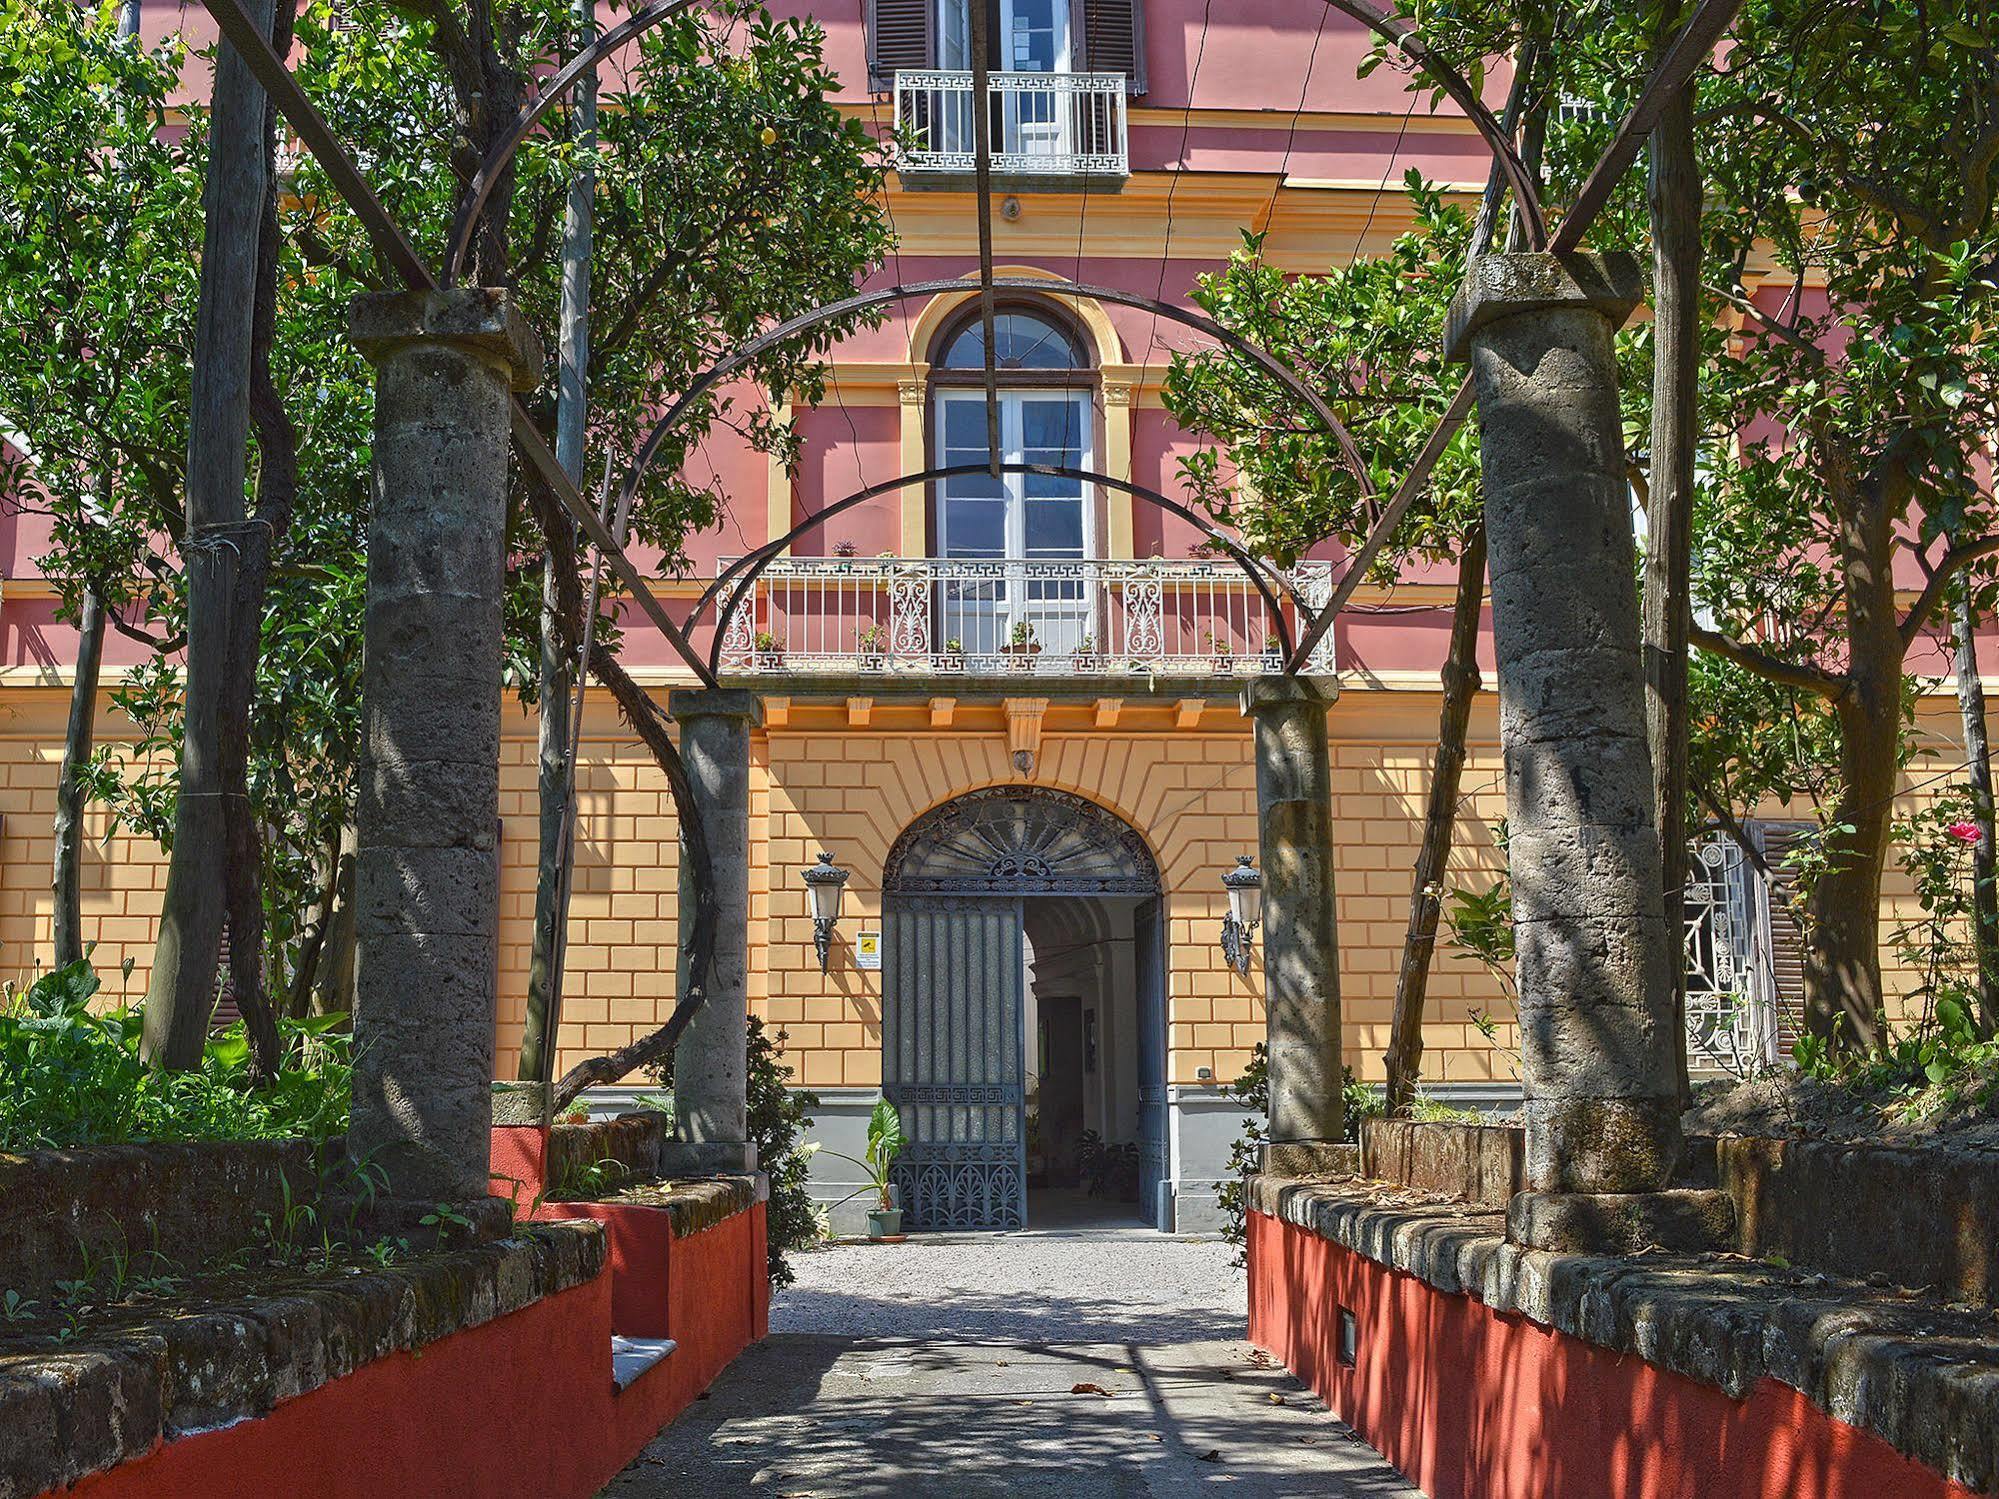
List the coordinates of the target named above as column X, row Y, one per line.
column 949, row 1365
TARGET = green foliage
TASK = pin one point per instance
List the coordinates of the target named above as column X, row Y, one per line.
column 1358, row 1102
column 1374, row 332
column 71, row 1076
column 1108, row 1170
column 587, row 1183
column 731, row 193
column 885, row 1144
column 779, row 1116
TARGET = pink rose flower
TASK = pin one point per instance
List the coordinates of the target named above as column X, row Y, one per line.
column 1963, row 832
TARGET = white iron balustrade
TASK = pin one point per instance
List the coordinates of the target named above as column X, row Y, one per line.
column 954, row 617
column 1067, row 127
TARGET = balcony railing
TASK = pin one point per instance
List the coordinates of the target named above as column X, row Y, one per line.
column 955, row 617
column 1065, row 129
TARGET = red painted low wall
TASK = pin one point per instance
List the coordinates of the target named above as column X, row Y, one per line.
column 522, row 1406
column 661, row 1286
column 1472, row 1404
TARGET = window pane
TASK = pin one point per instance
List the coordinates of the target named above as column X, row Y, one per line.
column 974, row 527
column 965, row 425
column 1023, row 341
column 1055, row 528
column 1052, row 426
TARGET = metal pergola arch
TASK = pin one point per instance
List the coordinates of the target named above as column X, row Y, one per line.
column 745, row 570
column 1406, row 37
column 685, row 403
column 1695, row 40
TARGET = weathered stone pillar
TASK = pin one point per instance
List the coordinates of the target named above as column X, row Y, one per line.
column 710, row 1109
column 1301, row 950
column 427, row 897
column 1595, row 950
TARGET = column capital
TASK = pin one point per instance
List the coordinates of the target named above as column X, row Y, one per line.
column 481, row 321
column 1503, row 286
column 684, row 703
column 1274, row 693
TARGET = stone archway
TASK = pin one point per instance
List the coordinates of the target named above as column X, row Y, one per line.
column 956, row 1061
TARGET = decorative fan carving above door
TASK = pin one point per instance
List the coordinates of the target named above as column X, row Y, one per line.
column 1008, row 840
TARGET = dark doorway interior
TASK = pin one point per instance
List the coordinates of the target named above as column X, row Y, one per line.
column 1062, row 1062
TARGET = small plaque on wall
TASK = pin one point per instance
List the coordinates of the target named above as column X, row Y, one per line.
column 868, row 950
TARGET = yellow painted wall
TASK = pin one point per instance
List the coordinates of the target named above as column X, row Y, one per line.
column 824, row 780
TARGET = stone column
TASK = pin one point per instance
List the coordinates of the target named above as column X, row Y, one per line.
column 711, row 1115
column 427, row 896
column 1595, row 950
column 1300, row 936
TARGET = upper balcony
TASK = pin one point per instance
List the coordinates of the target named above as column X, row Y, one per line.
column 866, row 623
column 1051, row 132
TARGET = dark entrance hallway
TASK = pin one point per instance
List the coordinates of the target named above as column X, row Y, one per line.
column 1023, row 1033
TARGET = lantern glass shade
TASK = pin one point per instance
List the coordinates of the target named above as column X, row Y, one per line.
column 1245, row 887
column 825, row 885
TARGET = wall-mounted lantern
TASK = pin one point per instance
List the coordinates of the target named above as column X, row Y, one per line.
column 1245, row 888
column 824, row 884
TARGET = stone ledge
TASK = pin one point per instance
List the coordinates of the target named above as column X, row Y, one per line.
column 690, row 1206
column 1921, row 1375
column 69, row 1411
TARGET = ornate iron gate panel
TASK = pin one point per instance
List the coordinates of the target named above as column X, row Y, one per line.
column 952, row 1060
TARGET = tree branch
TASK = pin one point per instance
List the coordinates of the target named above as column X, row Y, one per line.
column 1948, row 566
column 1794, row 674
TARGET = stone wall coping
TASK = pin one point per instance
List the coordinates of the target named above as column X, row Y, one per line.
column 691, row 1206
column 1920, row 1374
column 107, row 1398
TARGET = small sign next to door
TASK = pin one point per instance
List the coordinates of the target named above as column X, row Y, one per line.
column 868, row 950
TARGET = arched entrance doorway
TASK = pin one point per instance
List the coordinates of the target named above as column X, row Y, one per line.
column 1023, row 1005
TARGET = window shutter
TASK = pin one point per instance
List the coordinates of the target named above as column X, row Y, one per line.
column 1114, row 40
column 898, row 37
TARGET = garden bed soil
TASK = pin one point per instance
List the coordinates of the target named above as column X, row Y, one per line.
column 1786, row 1105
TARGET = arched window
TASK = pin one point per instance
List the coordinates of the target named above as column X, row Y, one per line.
column 1023, row 339
column 1043, row 521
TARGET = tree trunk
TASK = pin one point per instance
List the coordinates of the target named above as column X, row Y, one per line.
column 66, row 913
column 1675, row 196
column 1843, row 997
column 556, row 683
column 1978, row 776
column 557, row 677
column 181, row 991
column 1426, row 899
column 333, row 982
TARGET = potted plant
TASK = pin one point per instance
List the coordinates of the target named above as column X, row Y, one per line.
column 873, row 641
column 1021, row 644
column 885, row 1143
column 1086, row 658
column 1222, row 653
column 954, row 655
column 767, row 652
column 845, row 549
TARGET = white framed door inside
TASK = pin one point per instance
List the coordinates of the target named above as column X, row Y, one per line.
column 1017, row 520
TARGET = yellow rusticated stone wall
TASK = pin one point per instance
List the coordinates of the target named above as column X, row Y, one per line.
column 848, row 779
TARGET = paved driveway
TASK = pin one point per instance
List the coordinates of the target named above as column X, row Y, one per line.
column 950, row 1366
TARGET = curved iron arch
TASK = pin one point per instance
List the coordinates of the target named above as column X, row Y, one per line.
column 1126, row 863
column 1282, row 373
column 745, row 570
column 1407, row 39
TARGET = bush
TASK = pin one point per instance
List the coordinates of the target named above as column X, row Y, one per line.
column 70, row 1076
column 779, row 1118
column 1252, row 1090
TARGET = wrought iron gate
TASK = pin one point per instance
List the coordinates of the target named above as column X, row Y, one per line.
column 953, row 1039
column 952, row 1060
